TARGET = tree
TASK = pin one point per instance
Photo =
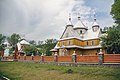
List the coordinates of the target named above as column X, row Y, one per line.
column 30, row 49
column 13, row 39
column 40, row 42
column 46, row 46
column 111, row 41
column 32, row 42
column 2, row 39
column 115, row 11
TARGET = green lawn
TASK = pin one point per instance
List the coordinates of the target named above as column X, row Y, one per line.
column 35, row 71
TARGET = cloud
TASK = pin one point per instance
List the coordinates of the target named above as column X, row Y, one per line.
column 42, row 19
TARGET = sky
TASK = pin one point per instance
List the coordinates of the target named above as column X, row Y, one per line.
column 46, row 19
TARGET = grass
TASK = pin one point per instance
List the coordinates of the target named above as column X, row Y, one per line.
column 35, row 71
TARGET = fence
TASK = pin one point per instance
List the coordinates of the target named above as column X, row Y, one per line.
column 85, row 58
column 112, row 58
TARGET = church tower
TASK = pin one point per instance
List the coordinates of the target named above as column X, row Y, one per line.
column 68, row 32
column 80, row 27
column 95, row 25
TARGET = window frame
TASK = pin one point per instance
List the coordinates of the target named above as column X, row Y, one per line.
column 87, row 43
column 92, row 43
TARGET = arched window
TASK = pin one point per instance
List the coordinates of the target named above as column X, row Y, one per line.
column 87, row 43
column 80, row 31
column 92, row 43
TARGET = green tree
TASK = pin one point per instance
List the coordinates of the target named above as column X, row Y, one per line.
column 46, row 46
column 13, row 39
column 32, row 42
column 115, row 11
column 2, row 39
column 111, row 41
column 30, row 49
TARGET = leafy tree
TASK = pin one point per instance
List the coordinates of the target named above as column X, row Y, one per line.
column 111, row 41
column 40, row 42
column 115, row 11
column 32, row 42
column 46, row 46
column 2, row 39
column 29, row 50
column 13, row 39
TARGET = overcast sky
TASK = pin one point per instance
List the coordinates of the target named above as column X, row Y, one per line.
column 43, row 19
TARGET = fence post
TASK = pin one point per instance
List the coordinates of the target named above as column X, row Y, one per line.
column 42, row 57
column 32, row 56
column 56, row 58
column 101, row 57
column 25, row 56
column 74, row 57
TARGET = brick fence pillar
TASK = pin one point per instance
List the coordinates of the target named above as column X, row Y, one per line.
column 74, row 57
column 32, row 57
column 56, row 58
column 42, row 57
column 101, row 57
column 25, row 56
column 18, row 56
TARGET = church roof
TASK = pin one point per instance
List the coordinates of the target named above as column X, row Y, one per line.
column 95, row 23
column 79, row 24
column 74, row 32
column 24, row 42
column 69, row 21
column 89, row 34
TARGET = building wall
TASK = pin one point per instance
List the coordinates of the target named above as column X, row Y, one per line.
column 86, row 51
column 78, row 42
column 70, row 51
column 91, row 52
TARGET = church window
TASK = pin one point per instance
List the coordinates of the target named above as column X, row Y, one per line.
column 63, row 43
column 80, row 31
column 87, row 43
column 69, row 42
column 92, row 43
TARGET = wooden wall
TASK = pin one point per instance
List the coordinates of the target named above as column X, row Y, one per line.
column 78, row 42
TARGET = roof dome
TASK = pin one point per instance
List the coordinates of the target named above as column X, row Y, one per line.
column 69, row 22
column 95, row 23
column 79, row 24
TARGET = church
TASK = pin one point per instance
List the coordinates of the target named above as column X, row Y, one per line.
column 79, row 38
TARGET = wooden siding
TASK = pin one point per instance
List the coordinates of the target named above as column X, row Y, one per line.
column 78, row 42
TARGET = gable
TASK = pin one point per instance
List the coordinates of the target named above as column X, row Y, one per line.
column 68, row 32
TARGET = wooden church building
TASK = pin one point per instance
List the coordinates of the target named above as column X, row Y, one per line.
column 79, row 38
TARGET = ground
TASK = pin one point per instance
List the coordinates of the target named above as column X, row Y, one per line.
column 36, row 71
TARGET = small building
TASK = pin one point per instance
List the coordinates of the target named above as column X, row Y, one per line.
column 21, row 45
column 79, row 38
